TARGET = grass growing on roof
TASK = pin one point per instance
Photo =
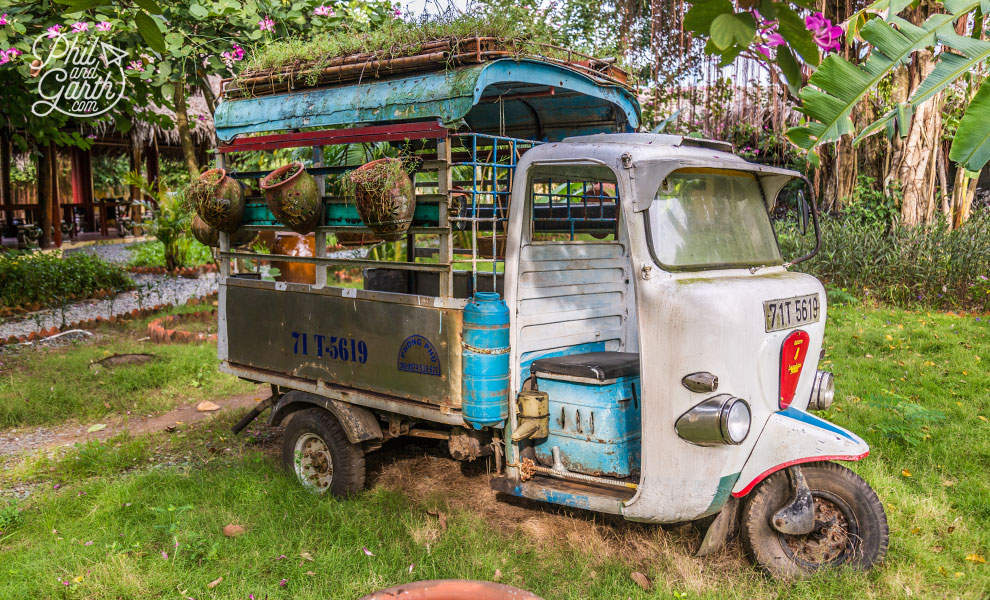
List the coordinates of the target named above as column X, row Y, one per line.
column 397, row 38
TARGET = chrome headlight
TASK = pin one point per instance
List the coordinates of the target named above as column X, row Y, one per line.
column 822, row 392
column 721, row 419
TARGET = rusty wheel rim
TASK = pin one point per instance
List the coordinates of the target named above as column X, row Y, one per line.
column 831, row 542
column 313, row 463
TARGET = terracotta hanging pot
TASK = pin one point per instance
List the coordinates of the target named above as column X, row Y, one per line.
column 293, row 197
column 204, row 234
column 385, row 197
column 210, row 236
column 219, row 200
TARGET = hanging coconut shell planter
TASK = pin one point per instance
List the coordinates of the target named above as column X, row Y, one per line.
column 354, row 240
column 219, row 200
column 293, row 197
column 385, row 197
column 210, row 236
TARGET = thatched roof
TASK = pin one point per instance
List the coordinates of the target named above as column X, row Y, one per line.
column 200, row 121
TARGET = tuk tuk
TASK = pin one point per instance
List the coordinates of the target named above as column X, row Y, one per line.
column 605, row 313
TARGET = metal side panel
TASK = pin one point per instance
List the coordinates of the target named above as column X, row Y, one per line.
column 401, row 349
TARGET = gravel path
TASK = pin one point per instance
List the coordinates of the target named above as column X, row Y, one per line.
column 151, row 290
column 115, row 253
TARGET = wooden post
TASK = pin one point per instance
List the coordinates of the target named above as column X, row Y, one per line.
column 320, row 237
column 5, row 195
column 151, row 161
column 44, row 180
column 56, row 213
column 446, row 254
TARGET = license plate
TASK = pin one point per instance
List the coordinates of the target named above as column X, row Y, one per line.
column 791, row 312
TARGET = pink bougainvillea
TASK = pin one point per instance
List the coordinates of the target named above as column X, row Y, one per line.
column 266, row 24
column 4, row 20
column 323, row 11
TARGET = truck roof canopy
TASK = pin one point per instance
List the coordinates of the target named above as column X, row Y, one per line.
column 525, row 98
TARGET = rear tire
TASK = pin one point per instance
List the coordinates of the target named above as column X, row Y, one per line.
column 850, row 524
column 316, row 449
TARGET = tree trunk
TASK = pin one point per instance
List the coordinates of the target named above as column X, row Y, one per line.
column 846, row 172
column 963, row 190
column 185, row 135
column 914, row 164
column 45, row 193
column 203, row 81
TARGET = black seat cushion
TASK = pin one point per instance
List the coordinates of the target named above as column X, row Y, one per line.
column 590, row 365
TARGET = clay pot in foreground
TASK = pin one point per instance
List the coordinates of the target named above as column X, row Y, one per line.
column 219, row 200
column 385, row 197
column 293, row 197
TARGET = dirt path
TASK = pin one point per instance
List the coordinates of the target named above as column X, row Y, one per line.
column 15, row 441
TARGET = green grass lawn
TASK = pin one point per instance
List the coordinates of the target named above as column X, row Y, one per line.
column 48, row 387
column 143, row 518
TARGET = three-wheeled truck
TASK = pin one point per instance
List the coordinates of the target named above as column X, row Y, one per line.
column 605, row 313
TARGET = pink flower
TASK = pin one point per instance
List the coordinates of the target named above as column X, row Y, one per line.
column 775, row 39
column 236, row 53
column 760, row 48
column 323, row 11
column 826, row 35
column 54, row 31
column 135, row 65
column 266, row 24
column 5, row 57
column 283, row 582
column 4, row 20
column 80, row 26
column 104, row 26
column 397, row 12
column 165, row 555
column 829, row 38
column 816, row 21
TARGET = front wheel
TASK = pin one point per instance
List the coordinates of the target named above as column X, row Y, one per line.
column 850, row 524
column 317, row 450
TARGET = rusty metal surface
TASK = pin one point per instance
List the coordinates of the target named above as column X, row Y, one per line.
column 452, row 589
column 405, row 350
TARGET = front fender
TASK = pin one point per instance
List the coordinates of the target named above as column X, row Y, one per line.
column 792, row 437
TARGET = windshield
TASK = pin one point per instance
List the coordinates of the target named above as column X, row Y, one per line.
column 710, row 218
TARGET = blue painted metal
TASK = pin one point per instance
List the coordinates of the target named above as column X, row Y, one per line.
column 337, row 214
column 485, row 355
column 580, row 105
column 810, row 419
column 596, row 425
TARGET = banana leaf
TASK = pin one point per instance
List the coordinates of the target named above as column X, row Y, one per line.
column 838, row 85
column 971, row 145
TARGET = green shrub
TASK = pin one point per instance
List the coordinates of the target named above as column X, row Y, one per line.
column 931, row 265
column 50, row 279
column 152, row 254
column 9, row 515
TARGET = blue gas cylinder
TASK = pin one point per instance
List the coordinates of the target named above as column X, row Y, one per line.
column 485, row 349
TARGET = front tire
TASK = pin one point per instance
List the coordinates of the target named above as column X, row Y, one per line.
column 316, row 449
column 850, row 524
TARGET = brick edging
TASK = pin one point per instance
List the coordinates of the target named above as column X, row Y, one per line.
column 98, row 321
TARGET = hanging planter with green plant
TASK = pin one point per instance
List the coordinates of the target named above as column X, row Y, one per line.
column 385, row 197
column 293, row 197
column 218, row 199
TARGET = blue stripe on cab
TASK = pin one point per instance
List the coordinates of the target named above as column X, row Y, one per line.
column 800, row 415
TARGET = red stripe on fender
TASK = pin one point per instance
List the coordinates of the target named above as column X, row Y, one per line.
column 791, row 463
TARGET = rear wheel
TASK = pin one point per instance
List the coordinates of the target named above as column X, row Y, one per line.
column 317, row 450
column 850, row 524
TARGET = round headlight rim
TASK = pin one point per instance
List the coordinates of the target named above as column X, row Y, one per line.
column 731, row 403
column 822, row 391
